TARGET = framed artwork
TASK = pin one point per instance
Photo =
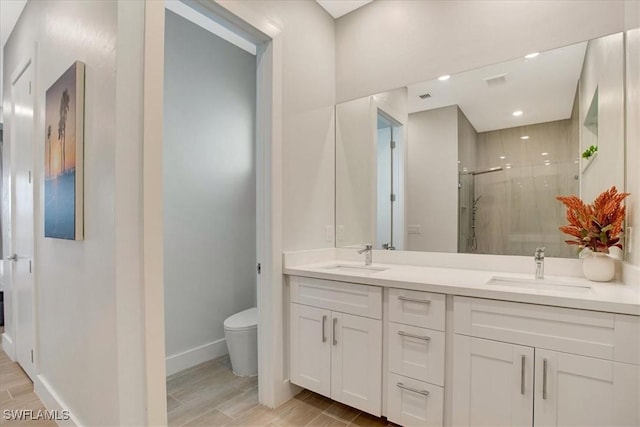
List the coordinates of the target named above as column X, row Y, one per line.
column 63, row 156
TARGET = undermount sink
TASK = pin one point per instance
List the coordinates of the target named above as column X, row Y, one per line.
column 360, row 269
column 545, row 284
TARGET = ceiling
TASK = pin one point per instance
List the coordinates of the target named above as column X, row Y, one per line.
column 338, row 8
column 10, row 11
column 543, row 88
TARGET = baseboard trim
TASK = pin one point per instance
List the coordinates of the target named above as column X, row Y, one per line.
column 195, row 356
column 8, row 347
column 52, row 401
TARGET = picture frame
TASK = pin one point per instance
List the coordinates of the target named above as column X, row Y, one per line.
column 64, row 156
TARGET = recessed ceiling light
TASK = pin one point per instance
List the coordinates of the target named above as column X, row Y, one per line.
column 524, row 137
column 503, row 157
column 508, row 165
column 445, row 77
column 532, row 55
column 545, row 153
column 517, row 113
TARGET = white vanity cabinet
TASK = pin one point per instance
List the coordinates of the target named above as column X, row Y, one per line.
column 525, row 364
column 336, row 341
column 416, row 357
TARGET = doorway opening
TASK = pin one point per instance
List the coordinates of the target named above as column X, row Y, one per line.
column 210, row 233
column 389, row 185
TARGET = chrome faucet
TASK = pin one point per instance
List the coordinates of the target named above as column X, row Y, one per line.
column 539, row 259
column 368, row 253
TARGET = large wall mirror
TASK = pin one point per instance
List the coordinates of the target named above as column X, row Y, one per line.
column 472, row 162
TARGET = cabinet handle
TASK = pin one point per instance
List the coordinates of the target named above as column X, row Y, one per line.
column 335, row 321
column 544, row 379
column 522, row 374
column 418, row 337
column 414, row 390
column 422, row 301
column 324, row 320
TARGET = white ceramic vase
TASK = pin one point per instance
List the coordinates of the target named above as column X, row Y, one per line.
column 598, row 267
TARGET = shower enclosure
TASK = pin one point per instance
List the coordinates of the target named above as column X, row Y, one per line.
column 513, row 211
column 468, row 202
column 389, row 184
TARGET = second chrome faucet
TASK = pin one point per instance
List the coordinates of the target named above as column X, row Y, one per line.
column 539, row 259
column 368, row 253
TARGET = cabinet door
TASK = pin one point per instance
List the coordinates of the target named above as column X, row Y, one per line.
column 572, row 390
column 492, row 383
column 311, row 348
column 356, row 362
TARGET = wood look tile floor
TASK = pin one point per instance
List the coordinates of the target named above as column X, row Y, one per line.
column 210, row 395
column 16, row 393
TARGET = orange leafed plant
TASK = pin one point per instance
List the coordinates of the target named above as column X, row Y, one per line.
column 596, row 226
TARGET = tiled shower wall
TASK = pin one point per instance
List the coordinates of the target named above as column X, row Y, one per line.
column 517, row 210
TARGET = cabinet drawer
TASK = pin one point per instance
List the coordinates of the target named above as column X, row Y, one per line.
column 422, row 309
column 417, row 353
column 414, row 403
column 589, row 333
column 350, row 298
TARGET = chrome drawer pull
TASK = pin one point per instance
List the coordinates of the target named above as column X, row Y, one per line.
column 522, row 375
column 324, row 320
column 335, row 340
column 414, row 390
column 421, row 301
column 418, row 337
column 544, row 379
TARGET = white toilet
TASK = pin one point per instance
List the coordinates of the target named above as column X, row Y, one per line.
column 241, row 333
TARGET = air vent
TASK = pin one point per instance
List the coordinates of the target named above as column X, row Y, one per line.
column 425, row 96
column 496, row 80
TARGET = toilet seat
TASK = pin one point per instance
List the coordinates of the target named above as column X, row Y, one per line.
column 247, row 319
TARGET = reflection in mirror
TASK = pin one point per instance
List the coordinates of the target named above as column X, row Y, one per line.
column 472, row 162
column 369, row 173
column 389, row 224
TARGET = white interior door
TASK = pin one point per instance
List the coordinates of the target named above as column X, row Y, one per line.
column 574, row 390
column 492, row 383
column 22, row 215
column 356, row 362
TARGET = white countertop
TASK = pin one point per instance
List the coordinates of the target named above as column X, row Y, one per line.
column 614, row 297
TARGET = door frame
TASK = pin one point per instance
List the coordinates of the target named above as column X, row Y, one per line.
column 272, row 374
column 10, row 342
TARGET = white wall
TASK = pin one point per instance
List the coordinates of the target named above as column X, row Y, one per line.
column 77, row 354
column 355, row 174
column 308, row 97
column 209, row 189
column 389, row 44
column 603, row 69
column 432, row 180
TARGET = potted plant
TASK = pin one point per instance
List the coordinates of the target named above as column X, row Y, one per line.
column 595, row 228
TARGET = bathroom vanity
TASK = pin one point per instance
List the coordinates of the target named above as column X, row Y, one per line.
column 443, row 346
